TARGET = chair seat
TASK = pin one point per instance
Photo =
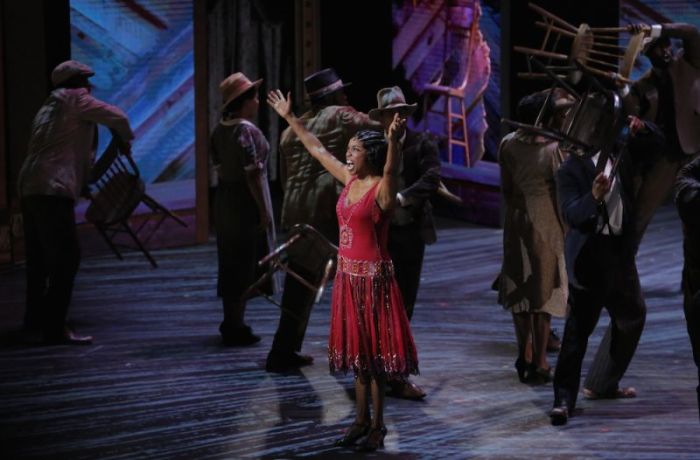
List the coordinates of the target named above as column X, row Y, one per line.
column 116, row 200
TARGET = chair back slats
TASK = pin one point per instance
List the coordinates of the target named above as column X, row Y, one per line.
column 117, row 190
column 607, row 52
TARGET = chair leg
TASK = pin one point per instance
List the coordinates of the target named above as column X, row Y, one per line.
column 448, row 123
column 255, row 287
column 153, row 204
column 111, row 245
column 138, row 243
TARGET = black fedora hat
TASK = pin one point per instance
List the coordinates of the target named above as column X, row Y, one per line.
column 323, row 83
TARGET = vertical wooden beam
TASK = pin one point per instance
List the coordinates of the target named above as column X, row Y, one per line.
column 4, row 180
column 5, row 233
column 307, row 15
column 201, row 116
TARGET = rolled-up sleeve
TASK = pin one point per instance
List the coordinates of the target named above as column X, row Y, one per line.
column 246, row 140
column 92, row 109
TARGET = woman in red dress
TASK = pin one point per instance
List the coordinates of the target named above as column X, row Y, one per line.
column 369, row 329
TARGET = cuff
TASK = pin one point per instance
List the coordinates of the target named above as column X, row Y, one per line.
column 625, row 90
column 655, row 31
column 401, row 198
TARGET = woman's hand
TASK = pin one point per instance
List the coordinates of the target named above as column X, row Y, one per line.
column 282, row 105
column 397, row 128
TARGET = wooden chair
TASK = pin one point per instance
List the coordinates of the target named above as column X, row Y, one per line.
column 314, row 245
column 567, row 48
column 116, row 191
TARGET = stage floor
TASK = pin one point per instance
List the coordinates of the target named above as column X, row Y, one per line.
column 156, row 383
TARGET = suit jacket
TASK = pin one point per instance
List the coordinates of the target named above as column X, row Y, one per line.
column 688, row 202
column 684, row 71
column 420, row 178
column 580, row 210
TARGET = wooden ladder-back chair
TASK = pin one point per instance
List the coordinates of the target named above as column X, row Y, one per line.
column 116, row 191
column 303, row 241
column 565, row 49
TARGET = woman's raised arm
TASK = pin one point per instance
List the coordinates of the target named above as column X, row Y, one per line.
column 389, row 183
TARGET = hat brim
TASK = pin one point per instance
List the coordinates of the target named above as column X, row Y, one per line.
column 404, row 110
column 255, row 84
column 318, row 96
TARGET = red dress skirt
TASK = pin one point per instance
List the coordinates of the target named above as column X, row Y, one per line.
column 369, row 332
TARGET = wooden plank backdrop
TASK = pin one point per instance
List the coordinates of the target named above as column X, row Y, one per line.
column 156, row 383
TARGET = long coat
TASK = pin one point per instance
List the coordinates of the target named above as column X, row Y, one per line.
column 533, row 275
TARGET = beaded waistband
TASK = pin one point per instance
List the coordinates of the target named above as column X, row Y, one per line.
column 365, row 267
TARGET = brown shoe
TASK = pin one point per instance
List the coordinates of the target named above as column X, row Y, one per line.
column 620, row 393
column 405, row 389
column 68, row 338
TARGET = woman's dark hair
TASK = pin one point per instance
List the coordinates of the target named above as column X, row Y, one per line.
column 235, row 105
column 529, row 108
column 375, row 144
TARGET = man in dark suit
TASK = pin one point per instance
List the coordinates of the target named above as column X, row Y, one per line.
column 688, row 202
column 412, row 225
column 600, row 258
column 667, row 99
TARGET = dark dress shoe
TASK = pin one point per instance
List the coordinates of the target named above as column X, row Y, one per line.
column 559, row 415
column 300, row 360
column 405, row 389
column 68, row 337
column 241, row 337
column 281, row 362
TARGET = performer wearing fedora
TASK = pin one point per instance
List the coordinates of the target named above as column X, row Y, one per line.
column 245, row 228
column 53, row 176
column 688, row 202
column 412, row 225
column 310, row 196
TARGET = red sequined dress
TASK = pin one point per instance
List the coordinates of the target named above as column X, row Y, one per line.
column 369, row 332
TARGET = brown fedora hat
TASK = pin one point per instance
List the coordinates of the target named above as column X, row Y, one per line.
column 391, row 99
column 234, row 85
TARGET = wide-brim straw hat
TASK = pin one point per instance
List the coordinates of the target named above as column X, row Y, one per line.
column 392, row 100
column 234, row 85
